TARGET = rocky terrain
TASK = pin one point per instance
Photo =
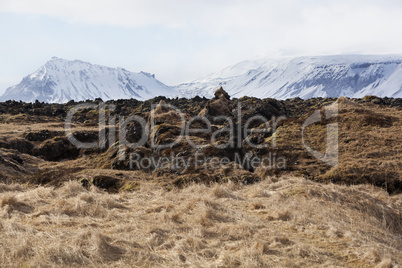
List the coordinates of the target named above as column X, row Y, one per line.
column 35, row 148
column 294, row 210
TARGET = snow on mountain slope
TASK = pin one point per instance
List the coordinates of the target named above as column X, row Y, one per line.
column 61, row 80
column 206, row 86
column 281, row 78
column 305, row 77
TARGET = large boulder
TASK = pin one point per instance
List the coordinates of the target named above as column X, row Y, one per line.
column 218, row 106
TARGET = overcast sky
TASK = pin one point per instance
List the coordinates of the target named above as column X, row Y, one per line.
column 181, row 40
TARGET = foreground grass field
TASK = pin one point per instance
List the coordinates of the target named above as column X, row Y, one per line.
column 285, row 222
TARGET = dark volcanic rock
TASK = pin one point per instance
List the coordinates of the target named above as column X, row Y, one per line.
column 106, row 182
column 56, row 149
column 42, row 135
column 218, row 106
column 20, row 145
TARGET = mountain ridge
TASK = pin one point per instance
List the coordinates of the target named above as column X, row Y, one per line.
column 306, row 77
column 61, row 80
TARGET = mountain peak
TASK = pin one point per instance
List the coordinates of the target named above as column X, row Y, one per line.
column 61, row 80
column 56, row 61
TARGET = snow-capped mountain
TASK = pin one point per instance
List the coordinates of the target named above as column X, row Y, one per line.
column 281, row 78
column 305, row 77
column 62, row 80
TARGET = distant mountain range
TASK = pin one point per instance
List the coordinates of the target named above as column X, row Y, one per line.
column 305, row 77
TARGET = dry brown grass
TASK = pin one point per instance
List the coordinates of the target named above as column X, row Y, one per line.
column 290, row 222
column 370, row 146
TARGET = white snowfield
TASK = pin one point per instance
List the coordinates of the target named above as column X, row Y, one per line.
column 281, row 78
column 306, row 77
